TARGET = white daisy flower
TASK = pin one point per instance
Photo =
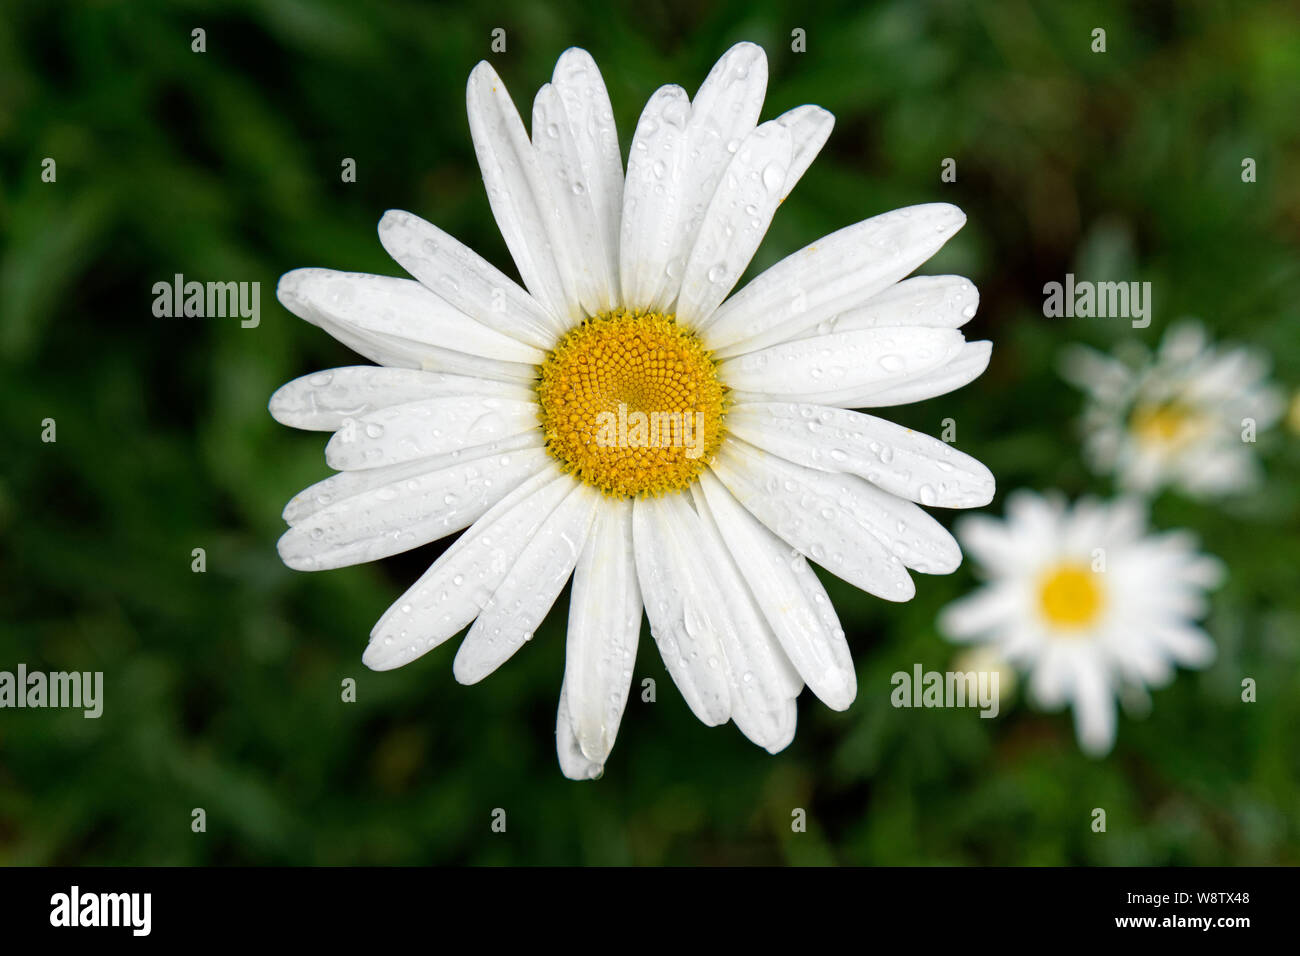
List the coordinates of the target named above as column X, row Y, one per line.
column 1086, row 603
column 615, row 420
column 1175, row 417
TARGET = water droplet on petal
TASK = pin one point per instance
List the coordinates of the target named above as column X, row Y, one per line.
column 773, row 177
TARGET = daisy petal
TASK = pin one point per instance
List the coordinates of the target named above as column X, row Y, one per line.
column 573, row 762
column 1051, row 676
column 1096, row 372
column 937, row 302
column 832, row 369
column 520, row 197
column 1035, row 519
column 675, row 587
column 735, row 221
column 726, row 106
column 1138, row 663
column 322, row 401
column 1186, row 643
column 980, row 614
column 604, row 625
column 723, row 113
column 903, row 462
column 763, row 681
column 404, row 513
column 655, row 164
column 347, row 484
column 461, row 582
column 1094, row 709
column 396, row 352
column 807, row 509
column 832, row 275
column 469, row 282
column 910, row 532
column 810, row 127
column 401, row 309
column 531, row 586
column 792, row 599
column 1183, row 342
column 581, row 89
column 432, row 426
column 968, row 365
column 591, row 278
column 991, row 543
column 772, row 730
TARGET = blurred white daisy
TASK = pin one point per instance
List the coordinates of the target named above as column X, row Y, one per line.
column 515, row 413
column 1176, row 417
column 1086, row 603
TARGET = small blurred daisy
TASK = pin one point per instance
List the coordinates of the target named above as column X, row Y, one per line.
column 1086, row 603
column 1175, row 418
column 620, row 423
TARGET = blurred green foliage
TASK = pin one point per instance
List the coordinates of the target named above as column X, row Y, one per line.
column 222, row 689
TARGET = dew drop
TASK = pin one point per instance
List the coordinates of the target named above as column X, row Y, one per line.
column 773, row 177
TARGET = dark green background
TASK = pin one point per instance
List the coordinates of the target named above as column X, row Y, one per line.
column 222, row 689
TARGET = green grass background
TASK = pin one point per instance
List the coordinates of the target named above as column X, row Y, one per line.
column 223, row 688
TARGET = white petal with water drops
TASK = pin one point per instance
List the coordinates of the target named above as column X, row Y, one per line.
column 520, row 195
column 396, row 351
column 962, row 368
column 573, row 762
column 530, row 587
column 896, row 459
column 762, row 682
column 461, row 582
column 399, row 308
column 604, row 626
column 805, row 507
column 908, row 531
column 323, row 401
column 808, row 515
column 432, row 426
column 460, row 275
column 790, row 596
column 591, row 278
column 940, row 302
column 724, row 111
column 655, row 165
column 846, row 365
column 405, row 513
column 595, row 137
column 735, row 221
column 833, row 274
column 677, row 606
column 810, row 127
column 346, row 484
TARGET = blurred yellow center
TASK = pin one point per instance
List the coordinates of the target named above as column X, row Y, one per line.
column 631, row 403
column 1167, row 424
column 1070, row 596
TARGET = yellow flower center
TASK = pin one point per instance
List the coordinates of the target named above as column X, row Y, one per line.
column 631, row 403
column 1070, row 596
column 1167, row 424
